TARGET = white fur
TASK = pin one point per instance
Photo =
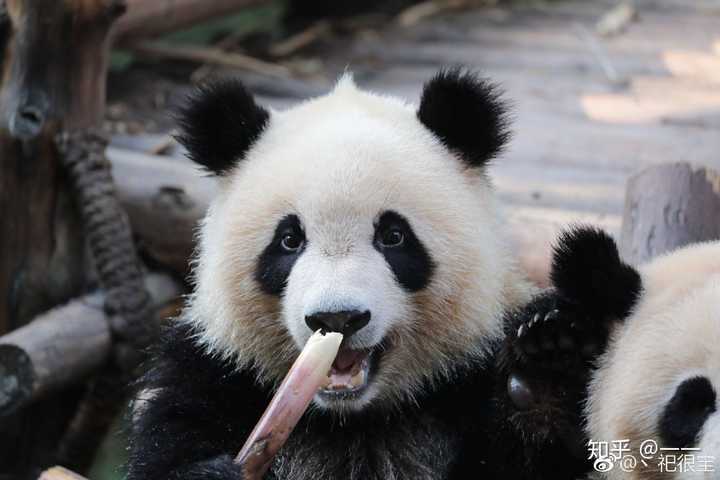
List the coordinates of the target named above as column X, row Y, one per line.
column 673, row 335
column 337, row 162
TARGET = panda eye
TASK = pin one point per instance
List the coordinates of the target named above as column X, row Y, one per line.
column 292, row 242
column 392, row 238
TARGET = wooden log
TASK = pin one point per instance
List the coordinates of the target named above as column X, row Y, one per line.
column 62, row 346
column 149, row 18
column 53, row 78
column 75, row 337
column 669, row 206
column 165, row 199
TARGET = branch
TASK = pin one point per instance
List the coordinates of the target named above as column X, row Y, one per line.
column 150, row 18
column 209, row 55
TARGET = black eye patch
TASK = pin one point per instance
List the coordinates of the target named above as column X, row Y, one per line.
column 686, row 413
column 404, row 253
column 276, row 262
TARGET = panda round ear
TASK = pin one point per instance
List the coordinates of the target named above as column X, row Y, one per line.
column 467, row 114
column 219, row 123
column 587, row 269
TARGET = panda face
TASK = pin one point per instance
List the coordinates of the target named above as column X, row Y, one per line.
column 660, row 377
column 349, row 214
column 346, row 270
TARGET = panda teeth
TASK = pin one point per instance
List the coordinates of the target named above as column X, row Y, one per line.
column 358, row 379
column 354, row 379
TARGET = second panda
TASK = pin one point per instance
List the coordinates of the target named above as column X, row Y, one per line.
column 657, row 385
column 653, row 375
column 357, row 213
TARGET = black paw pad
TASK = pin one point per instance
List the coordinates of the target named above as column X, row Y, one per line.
column 550, row 333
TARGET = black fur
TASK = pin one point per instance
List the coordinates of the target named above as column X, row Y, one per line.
column 466, row 112
column 410, row 261
column 553, row 342
column 548, row 355
column 587, row 269
column 202, row 410
column 217, row 468
column 219, row 124
column 593, row 289
column 275, row 264
column 684, row 416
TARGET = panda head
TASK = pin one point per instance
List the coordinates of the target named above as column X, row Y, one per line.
column 659, row 381
column 357, row 213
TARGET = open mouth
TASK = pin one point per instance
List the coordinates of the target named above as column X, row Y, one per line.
column 349, row 374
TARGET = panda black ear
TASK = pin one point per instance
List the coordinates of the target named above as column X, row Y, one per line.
column 587, row 269
column 466, row 112
column 219, row 124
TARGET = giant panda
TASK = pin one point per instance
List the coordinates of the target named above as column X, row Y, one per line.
column 651, row 409
column 359, row 213
column 656, row 385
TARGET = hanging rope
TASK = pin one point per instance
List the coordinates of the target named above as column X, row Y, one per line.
column 108, row 235
column 120, row 275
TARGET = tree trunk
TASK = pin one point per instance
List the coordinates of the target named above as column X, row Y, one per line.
column 54, row 62
column 667, row 207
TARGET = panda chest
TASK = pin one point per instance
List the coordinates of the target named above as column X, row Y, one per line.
column 417, row 449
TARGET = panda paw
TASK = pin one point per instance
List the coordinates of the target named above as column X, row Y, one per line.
column 551, row 333
column 221, row 467
column 593, row 288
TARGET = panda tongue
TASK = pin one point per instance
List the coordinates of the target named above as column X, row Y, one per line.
column 346, row 359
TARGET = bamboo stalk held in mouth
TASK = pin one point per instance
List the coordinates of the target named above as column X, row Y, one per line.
column 306, row 376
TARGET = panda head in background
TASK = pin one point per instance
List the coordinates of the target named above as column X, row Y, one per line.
column 357, row 213
column 659, row 380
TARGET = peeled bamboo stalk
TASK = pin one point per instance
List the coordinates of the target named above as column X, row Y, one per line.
column 60, row 473
column 291, row 400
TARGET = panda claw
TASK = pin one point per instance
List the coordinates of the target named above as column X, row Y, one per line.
column 521, row 331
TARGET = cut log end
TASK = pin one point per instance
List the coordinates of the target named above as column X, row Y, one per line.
column 17, row 377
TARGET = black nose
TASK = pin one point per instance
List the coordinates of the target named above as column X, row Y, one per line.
column 347, row 322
